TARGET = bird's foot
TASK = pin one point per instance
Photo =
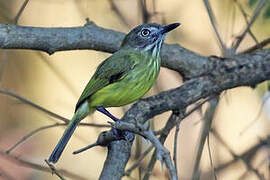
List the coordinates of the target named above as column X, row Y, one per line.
column 126, row 135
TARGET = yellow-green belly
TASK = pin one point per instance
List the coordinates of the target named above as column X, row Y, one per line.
column 127, row 90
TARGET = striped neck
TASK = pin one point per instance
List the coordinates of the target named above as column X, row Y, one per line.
column 154, row 49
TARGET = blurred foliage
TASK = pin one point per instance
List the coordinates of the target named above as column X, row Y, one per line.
column 266, row 13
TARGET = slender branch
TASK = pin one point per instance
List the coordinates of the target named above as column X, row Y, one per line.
column 175, row 144
column 246, row 157
column 257, row 46
column 91, row 36
column 246, row 19
column 42, row 109
column 137, row 163
column 208, row 119
column 256, row 13
column 18, row 15
column 213, row 23
column 162, row 153
column 163, row 136
column 28, row 102
column 210, row 157
column 27, row 136
column 118, row 13
column 24, row 163
column 54, row 170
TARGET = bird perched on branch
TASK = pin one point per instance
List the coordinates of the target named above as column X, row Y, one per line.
column 121, row 79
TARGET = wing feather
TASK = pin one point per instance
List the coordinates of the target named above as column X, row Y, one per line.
column 108, row 72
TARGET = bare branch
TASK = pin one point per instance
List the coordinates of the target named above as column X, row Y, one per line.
column 24, row 138
column 18, row 15
column 22, row 162
column 118, row 13
column 256, row 13
column 257, row 46
column 90, row 36
column 213, row 23
column 208, row 119
column 246, row 19
column 246, row 157
column 137, row 163
column 210, row 157
column 175, row 146
column 163, row 136
column 42, row 109
column 28, row 102
column 54, row 170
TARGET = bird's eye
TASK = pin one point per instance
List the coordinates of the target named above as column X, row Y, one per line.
column 145, row 32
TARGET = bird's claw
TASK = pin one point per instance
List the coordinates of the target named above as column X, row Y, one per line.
column 126, row 135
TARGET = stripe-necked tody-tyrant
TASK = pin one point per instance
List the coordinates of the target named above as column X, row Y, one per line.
column 121, row 79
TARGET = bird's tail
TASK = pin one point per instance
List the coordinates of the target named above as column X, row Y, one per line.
column 63, row 142
column 81, row 113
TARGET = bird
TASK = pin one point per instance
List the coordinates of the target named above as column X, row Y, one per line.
column 121, row 79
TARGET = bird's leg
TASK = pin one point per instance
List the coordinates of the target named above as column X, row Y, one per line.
column 126, row 134
column 107, row 113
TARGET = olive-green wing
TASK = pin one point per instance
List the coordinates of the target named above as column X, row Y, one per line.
column 108, row 72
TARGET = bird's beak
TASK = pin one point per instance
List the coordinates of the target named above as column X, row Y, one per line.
column 169, row 27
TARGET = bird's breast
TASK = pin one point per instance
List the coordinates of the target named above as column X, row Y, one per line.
column 129, row 89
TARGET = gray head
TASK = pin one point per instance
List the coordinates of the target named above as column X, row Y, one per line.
column 147, row 37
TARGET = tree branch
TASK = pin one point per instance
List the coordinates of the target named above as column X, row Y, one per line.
column 91, row 36
column 210, row 75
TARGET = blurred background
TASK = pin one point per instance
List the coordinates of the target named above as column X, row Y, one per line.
column 55, row 82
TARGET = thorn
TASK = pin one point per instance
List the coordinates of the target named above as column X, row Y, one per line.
column 86, row 148
column 88, row 22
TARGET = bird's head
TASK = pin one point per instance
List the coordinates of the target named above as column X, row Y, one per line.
column 147, row 37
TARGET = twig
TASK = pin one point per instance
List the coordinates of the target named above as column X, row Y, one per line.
column 210, row 157
column 118, row 13
column 256, row 13
column 137, row 163
column 24, row 138
column 213, row 23
column 85, row 148
column 21, row 162
column 163, row 136
column 54, row 171
column 246, row 19
column 175, row 146
column 30, row 103
column 246, row 157
column 143, row 9
column 257, row 46
column 18, row 15
column 162, row 153
column 208, row 118
column 186, row 114
column 166, row 130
